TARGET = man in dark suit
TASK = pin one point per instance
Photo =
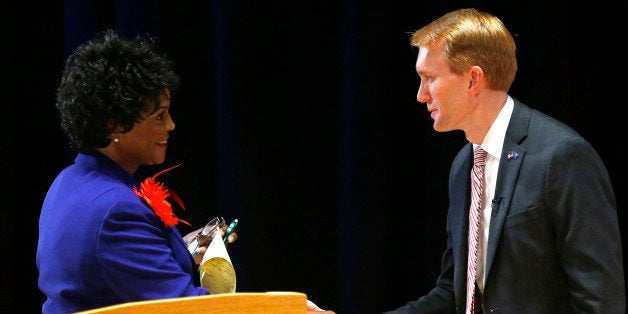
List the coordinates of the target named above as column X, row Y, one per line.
column 548, row 239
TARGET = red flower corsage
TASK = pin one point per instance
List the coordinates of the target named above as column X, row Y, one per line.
column 156, row 195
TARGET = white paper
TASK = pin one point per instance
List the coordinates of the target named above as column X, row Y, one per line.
column 216, row 269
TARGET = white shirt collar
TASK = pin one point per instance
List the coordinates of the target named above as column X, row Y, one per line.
column 494, row 139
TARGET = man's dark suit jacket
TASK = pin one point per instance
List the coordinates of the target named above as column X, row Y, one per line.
column 554, row 244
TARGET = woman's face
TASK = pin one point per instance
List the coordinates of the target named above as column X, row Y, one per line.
column 146, row 143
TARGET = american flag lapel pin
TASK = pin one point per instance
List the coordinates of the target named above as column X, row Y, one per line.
column 512, row 155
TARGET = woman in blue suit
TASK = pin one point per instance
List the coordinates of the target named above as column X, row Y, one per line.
column 99, row 243
column 549, row 239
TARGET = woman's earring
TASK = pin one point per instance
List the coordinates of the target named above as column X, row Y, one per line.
column 116, row 140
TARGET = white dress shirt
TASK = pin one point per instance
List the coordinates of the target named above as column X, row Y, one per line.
column 492, row 144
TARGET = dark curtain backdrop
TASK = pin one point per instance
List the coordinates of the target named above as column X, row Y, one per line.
column 300, row 119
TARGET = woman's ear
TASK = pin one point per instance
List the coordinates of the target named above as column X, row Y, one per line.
column 115, row 132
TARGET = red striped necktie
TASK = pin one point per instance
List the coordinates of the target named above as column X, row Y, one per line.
column 477, row 184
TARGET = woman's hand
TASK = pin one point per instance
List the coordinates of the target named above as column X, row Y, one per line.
column 204, row 241
column 188, row 238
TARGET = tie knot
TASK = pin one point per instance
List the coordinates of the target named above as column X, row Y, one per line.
column 479, row 157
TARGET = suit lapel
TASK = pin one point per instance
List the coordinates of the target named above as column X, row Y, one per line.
column 509, row 167
column 458, row 217
column 459, row 204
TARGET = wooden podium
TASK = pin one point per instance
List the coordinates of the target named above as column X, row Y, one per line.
column 238, row 302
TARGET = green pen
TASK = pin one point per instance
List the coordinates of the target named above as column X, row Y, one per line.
column 230, row 229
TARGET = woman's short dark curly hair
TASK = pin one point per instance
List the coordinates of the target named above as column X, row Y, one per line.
column 107, row 84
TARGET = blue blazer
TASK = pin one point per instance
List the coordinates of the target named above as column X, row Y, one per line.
column 554, row 244
column 99, row 244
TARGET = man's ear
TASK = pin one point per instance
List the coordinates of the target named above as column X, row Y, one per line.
column 476, row 78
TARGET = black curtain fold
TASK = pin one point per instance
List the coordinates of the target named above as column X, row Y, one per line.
column 362, row 145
